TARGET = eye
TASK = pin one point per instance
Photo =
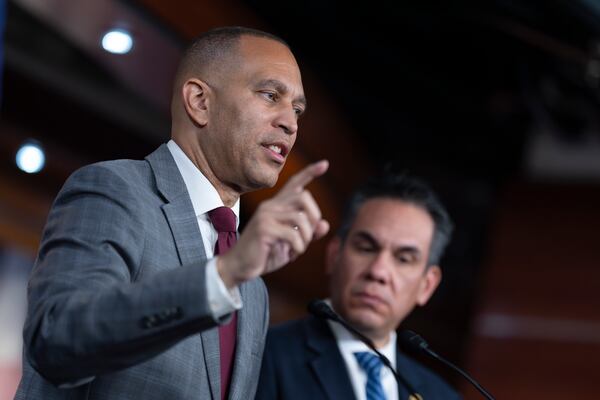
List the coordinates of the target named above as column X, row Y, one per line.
column 270, row 96
column 299, row 111
column 406, row 258
column 363, row 246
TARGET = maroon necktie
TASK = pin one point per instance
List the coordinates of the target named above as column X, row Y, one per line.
column 223, row 219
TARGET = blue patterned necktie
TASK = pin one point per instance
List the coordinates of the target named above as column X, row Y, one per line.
column 371, row 364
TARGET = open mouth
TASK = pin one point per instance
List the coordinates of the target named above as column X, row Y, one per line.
column 278, row 151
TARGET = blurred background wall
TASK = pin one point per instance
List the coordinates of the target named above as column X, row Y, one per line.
column 496, row 103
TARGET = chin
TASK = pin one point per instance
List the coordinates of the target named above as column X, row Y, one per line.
column 271, row 181
column 261, row 173
column 263, row 181
column 363, row 319
column 268, row 176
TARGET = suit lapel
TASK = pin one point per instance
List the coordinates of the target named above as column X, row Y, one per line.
column 184, row 226
column 405, row 369
column 178, row 207
column 210, row 344
column 182, row 221
column 327, row 365
column 245, row 345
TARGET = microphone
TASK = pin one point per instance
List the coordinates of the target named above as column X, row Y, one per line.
column 321, row 309
column 416, row 343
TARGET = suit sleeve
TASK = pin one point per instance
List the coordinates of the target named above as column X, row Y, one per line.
column 87, row 314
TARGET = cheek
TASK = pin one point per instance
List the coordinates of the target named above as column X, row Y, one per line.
column 405, row 289
column 293, row 141
column 353, row 282
column 342, row 277
column 348, row 269
column 248, row 133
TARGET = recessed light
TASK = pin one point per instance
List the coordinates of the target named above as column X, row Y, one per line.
column 30, row 158
column 117, row 41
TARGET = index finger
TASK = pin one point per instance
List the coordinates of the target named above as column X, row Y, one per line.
column 297, row 182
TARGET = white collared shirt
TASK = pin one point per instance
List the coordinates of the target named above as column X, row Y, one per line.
column 204, row 198
column 349, row 345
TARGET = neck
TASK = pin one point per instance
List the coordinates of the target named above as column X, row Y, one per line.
column 228, row 195
column 380, row 341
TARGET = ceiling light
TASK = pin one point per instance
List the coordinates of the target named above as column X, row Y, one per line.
column 117, row 41
column 30, row 158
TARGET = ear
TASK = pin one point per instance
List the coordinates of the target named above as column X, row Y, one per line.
column 429, row 282
column 194, row 94
column 333, row 252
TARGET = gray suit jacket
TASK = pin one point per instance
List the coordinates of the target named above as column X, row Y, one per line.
column 118, row 307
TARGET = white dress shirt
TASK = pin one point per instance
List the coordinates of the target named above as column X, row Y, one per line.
column 349, row 345
column 204, row 198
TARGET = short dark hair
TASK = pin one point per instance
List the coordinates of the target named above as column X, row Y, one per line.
column 407, row 189
column 213, row 45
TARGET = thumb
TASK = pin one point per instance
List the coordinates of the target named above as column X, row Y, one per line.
column 321, row 229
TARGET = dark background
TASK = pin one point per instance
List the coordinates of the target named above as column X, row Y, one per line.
column 494, row 102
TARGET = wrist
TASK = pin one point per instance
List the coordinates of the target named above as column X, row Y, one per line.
column 224, row 270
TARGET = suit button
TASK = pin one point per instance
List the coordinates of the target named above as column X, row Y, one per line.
column 177, row 313
column 163, row 316
column 149, row 322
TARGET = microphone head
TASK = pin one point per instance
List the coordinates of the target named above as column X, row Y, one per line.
column 412, row 341
column 321, row 309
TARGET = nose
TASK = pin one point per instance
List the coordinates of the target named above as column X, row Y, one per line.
column 287, row 120
column 379, row 268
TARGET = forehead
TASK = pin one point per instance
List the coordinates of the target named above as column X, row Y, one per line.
column 394, row 222
column 263, row 58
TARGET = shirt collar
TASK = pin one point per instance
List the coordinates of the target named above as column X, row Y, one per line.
column 203, row 194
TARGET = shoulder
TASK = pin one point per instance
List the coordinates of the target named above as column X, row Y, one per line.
column 306, row 334
column 107, row 189
column 119, row 180
column 287, row 335
column 295, row 327
column 111, row 172
column 289, row 346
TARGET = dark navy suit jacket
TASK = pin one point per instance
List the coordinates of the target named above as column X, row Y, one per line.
column 302, row 361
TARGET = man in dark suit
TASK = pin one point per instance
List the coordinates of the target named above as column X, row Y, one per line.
column 382, row 263
column 126, row 300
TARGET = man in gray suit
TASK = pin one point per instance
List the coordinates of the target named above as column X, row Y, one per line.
column 126, row 300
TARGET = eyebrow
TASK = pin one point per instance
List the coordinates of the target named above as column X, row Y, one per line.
column 283, row 89
column 364, row 235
